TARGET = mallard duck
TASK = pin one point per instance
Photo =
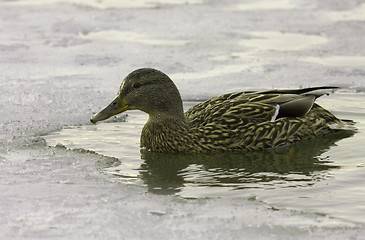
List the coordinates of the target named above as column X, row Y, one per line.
column 239, row 121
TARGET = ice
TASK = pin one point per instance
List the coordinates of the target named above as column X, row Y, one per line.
column 105, row 4
column 341, row 61
column 355, row 14
column 282, row 41
column 266, row 5
column 119, row 36
column 63, row 60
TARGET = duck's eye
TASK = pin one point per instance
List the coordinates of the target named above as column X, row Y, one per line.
column 137, row 85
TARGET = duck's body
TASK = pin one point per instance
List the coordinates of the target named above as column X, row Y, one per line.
column 231, row 122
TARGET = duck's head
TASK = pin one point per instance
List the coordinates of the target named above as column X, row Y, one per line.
column 148, row 90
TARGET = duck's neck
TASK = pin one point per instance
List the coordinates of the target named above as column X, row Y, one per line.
column 164, row 133
column 167, row 117
column 167, row 110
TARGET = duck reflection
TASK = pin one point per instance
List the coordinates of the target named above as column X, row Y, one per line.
column 299, row 164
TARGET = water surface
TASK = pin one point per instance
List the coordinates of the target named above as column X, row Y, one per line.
column 324, row 175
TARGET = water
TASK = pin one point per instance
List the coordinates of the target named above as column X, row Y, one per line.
column 63, row 178
column 312, row 175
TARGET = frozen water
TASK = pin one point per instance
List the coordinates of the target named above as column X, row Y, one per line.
column 355, row 14
column 105, row 4
column 281, row 41
column 265, row 5
column 119, row 36
column 61, row 61
column 341, row 61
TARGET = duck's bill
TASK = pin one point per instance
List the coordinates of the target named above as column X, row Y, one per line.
column 115, row 107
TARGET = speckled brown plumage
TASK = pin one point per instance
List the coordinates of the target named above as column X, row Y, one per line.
column 231, row 122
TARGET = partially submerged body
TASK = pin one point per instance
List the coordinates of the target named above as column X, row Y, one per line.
column 231, row 122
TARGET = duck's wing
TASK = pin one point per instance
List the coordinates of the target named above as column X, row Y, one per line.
column 254, row 107
column 286, row 105
column 290, row 103
column 230, row 110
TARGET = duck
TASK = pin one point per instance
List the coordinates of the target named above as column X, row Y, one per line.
column 238, row 121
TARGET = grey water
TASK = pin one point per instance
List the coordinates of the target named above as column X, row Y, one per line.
column 324, row 175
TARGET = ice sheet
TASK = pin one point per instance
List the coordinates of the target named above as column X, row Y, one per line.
column 54, row 74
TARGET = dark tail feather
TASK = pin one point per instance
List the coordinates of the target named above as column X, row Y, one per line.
column 299, row 91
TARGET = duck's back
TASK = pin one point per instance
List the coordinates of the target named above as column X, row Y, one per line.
column 230, row 109
column 257, row 120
